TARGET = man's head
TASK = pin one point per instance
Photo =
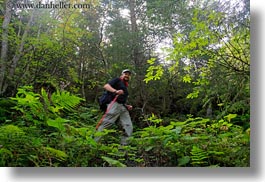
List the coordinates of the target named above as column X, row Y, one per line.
column 125, row 74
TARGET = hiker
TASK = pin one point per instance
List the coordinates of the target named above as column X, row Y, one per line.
column 118, row 110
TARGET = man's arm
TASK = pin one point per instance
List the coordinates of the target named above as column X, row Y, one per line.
column 109, row 88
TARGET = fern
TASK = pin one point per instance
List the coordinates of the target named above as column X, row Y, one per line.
column 5, row 156
column 29, row 104
column 13, row 144
column 198, row 156
column 39, row 107
column 10, row 132
column 57, row 154
column 65, row 100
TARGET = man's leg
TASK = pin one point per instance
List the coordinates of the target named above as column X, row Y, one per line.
column 109, row 119
column 126, row 123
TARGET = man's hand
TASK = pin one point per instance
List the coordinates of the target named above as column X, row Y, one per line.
column 129, row 107
column 119, row 92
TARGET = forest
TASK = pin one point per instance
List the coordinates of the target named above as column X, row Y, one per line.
column 190, row 83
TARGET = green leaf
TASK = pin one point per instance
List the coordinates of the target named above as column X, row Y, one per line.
column 57, row 123
column 151, row 61
column 58, row 154
column 193, row 95
column 187, row 79
column 149, row 148
column 154, row 73
column 183, row 161
column 113, row 162
column 230, row 116
column 178, row 130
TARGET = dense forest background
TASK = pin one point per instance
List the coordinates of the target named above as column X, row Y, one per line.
column 190, row 86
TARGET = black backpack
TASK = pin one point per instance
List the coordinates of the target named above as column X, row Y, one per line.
column 105, row 99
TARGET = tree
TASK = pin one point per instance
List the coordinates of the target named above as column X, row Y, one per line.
column 216, row 54
column 4, row 46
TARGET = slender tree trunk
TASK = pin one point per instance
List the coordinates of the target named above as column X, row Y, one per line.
column 135, row 47
column 4, row 49
column 18, row 54
column 136, row 52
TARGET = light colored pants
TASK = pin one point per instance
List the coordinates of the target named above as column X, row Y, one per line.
column 118, row 111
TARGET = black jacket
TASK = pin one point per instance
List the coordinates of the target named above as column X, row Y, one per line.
column 119, row 84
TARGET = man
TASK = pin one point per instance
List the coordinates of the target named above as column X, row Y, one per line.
column 118, row 109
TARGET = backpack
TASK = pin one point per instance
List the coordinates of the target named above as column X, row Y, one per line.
column 104, row 100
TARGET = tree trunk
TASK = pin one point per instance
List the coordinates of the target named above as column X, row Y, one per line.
column 4, row 49
column 135, row 47
column 18, row 54
column 136, row 54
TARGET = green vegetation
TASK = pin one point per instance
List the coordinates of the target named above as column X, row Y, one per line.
column 191, row 98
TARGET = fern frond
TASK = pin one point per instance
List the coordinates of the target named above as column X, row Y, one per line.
column 57, row 154
column 65, row 100
column 198, row 156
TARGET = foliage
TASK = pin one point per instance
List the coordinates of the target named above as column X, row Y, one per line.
column 216, row 62
column 5, row 109
column 194, row 142
column 191, row 98
column 39, row 107
column 153, row 72
column 113, row 162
